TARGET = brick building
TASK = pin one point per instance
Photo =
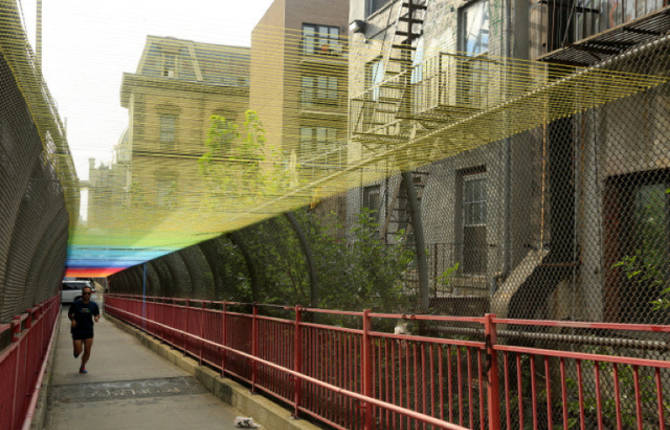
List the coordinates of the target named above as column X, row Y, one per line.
column 532, row 222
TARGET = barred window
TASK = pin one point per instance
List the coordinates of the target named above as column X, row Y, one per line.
column 474, row 220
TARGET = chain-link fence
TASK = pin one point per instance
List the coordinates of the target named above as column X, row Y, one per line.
column 567, row 221
column 34, row 162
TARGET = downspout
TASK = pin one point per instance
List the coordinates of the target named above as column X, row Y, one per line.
column 419, row 243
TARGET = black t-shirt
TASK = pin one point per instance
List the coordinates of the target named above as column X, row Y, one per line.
column 83, row 313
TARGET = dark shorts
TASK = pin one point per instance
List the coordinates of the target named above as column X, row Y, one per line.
column 82, row 335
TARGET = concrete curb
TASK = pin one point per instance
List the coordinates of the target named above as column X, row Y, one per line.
column 40, row 417
column 264, row 411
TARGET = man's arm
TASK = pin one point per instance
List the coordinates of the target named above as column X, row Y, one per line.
column 71, row 315
column 96, row 313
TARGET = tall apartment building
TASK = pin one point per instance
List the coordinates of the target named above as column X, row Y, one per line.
column 299, row 83
column 178, row 85
column 539, row 223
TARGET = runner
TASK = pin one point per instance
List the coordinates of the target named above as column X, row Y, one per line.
column 82, row 313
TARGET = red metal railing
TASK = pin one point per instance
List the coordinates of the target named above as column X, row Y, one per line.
column 23, row 362
column 362, row 378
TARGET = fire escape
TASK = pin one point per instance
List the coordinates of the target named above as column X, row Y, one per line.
column 381, row 116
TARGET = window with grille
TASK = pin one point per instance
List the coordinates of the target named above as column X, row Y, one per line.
column 474, row 221
column 594, row 16
column 371, row 200
column 637, row 245
column 321, row 40
column 168, row 129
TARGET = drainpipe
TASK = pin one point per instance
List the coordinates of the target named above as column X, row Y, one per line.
column 420, row 246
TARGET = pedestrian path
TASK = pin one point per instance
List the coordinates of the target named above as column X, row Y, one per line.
column 127, row 387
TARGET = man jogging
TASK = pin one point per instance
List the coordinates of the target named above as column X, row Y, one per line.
column 82, row 313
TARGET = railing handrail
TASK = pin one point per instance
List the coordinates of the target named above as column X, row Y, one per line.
column 655, row 328
column 366, row 350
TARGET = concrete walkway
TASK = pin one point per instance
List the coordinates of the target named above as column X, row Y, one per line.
column 127, row 387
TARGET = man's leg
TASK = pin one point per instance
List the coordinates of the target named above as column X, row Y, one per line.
column 88, row 344
column 76, row 347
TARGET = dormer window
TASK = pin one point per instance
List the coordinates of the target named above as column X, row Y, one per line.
column 169, row 66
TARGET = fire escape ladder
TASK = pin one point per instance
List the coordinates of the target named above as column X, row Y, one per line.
column 379, row 117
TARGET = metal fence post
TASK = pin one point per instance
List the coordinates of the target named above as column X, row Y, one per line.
column 202, row 329
column 187, row 311
column 16, row 335
column 254, row 346
column 367, row 371
column 223, row 341
column 297, row 361
column 493, row 392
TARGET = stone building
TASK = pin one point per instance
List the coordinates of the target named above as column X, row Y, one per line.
column 529, row 225
column 178, row 86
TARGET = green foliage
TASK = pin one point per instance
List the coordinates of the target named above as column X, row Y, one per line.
column 445, row 278
column 355, row 270
column 646, row 267
column 361, row 271
column 608, row 403
column 238, row 165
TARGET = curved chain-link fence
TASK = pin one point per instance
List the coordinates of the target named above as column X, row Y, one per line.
column 34, row 159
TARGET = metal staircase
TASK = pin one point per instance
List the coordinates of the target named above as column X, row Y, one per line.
column 378, row 113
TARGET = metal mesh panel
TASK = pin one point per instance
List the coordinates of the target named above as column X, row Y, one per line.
column 33, row 207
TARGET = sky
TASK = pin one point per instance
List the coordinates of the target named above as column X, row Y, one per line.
column 87, row 45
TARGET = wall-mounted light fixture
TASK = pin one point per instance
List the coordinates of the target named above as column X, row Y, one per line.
column 357, row 26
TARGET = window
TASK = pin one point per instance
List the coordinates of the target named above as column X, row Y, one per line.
column 594, row 16
column 474, row 223
column 315, row 141
column 474, row 28
column 166, row 191
column 372, row 6
column 636, row 245
column 374, row 75
column 168, row 126
column 319, row 90
column 417, row 63
column 372, row 201
column 169, row 66
column 320, row 40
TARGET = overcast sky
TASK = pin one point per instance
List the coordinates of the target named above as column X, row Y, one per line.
column 89, row 44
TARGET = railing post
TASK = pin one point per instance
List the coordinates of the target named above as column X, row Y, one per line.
column 223, row 341
column 16, row 328
column 297, row 361
column 16, row 335
column 187, row 311
column 493, row 392
column 367, row 371
column 254, row 346
column 202, row 329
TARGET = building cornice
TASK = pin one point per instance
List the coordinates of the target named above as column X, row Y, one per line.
column 132, row 80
